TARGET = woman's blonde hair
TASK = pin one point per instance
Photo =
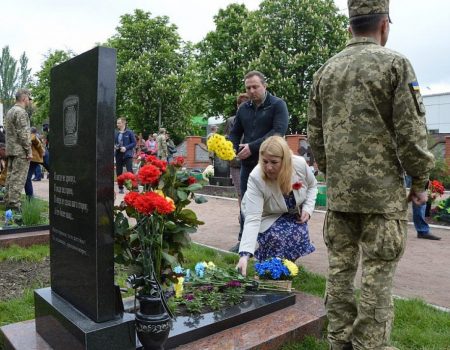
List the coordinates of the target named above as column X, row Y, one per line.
column 276, row 146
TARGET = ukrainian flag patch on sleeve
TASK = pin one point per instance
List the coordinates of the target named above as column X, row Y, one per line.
column 414, row 86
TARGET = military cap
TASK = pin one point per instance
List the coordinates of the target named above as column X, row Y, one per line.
column 367, row 7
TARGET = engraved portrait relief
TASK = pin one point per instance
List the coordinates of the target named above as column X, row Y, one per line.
column 71, row 108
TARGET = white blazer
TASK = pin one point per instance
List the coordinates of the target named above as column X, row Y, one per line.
column 263, row 202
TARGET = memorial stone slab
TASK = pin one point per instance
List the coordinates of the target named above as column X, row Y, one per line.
column 81, row 199
column 81, row 186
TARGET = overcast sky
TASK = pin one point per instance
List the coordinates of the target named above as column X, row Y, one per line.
column 420, row 31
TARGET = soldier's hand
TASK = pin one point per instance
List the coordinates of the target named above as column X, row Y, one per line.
column 418, row 198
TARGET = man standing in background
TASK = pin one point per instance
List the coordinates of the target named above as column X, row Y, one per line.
column 18, row 148
column 366, row 128
column 264, row 115
column 162, row 144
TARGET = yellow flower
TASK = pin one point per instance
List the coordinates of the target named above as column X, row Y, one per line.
column 179, row 287
column 293, row 269
column 210, row 265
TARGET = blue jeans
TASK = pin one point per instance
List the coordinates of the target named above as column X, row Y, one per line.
column 28, row 183
column 38, row 171
column 419, row 219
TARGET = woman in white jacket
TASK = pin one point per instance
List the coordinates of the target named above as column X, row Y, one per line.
column 279, row 201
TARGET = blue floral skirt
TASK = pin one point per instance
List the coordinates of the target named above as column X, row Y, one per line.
column 285, row 239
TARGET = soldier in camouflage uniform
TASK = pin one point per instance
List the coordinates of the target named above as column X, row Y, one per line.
column 367, row 127
column 18, row 148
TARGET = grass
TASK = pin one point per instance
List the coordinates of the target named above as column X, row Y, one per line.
column 417, row 326
column 33, row 253
column 32, row 211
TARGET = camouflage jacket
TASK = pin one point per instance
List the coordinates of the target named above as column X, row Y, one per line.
column 17, row 128
column 367, row 127
column 162, row 146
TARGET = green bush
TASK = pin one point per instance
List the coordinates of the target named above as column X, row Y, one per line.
column 441, row 172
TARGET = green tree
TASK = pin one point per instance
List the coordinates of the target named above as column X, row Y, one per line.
column 41, row 89
column 291, row 39
column 287, row 40
column 12, row 77
column 150, row 67
column 222, row 61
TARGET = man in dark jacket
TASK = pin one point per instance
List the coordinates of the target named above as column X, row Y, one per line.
column 262, row 116
column 125, row 142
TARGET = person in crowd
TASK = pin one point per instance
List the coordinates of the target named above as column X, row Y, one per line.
column 214, row 129
column 366, row 128
column 151, row 144
column 3, row 165
column 279, row 201
column 262, row 116
column 140, row 144
column 171, row 148
column 38, row 175
column 162, row 145
column 125, row 142
column 420, row 223
column 2, row 134
column 38, row 151
column 235, row 164
column 18, row 148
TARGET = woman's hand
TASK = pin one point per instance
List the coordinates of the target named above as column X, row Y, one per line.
column 303, row 217
column 242, row 265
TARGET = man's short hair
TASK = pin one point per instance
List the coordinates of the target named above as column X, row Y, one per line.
column 366, row 23
column 162, row 130
column 23, row 92
column 255, row 73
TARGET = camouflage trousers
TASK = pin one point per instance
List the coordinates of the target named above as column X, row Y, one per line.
column 378, row 240
column 17, row 172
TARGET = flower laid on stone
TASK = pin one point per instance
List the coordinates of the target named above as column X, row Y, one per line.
column 276, row 269
column 221, row 147
column 212, row 287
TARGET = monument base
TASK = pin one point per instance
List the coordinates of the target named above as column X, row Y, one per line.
column 62, row 326
column 305, row 318
column 220, row 181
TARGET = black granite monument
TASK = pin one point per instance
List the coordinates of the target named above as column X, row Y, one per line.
column 221, row 173
column 81, row 309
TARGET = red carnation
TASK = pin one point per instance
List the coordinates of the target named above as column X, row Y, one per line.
column 178, row 161
column 143, row 205
column 163, row 206
column 130, row 198
column 127, row 177
column 296, row 186
column 160, row 164
column 437, row 187
column 149, row 174
column 191, row 180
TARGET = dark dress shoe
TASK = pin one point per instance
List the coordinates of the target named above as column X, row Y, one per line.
column 428, row 236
